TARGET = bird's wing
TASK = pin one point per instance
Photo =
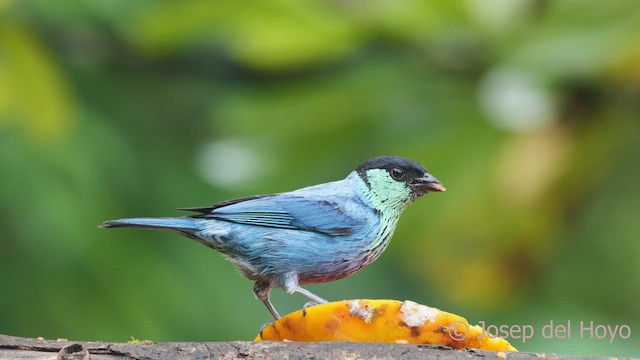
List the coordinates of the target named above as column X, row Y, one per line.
column 288, row 211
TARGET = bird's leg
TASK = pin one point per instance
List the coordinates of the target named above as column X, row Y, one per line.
column 261, row 290
column 289, row 283
column 315, row 299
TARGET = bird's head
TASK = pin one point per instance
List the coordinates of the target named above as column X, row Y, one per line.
column 393, row 182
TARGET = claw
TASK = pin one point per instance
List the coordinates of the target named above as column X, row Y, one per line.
column 307, row 305
column 263, row 327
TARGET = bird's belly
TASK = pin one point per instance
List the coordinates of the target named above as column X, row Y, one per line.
column 333, row 270
column 340, row 266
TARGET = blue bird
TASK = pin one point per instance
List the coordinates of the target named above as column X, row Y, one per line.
column 312, row 235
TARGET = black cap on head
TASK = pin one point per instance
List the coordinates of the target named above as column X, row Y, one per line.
column 401, row 169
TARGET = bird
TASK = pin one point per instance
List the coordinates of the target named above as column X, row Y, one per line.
column 312, row 235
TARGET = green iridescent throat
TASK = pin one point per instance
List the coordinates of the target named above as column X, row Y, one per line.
column 390, row 198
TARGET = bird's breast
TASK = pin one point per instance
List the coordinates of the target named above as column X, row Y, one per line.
column 376, row 247
column 352, row 257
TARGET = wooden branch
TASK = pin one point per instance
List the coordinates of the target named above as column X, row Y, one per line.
column 24, row 348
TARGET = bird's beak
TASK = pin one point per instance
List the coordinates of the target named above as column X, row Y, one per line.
column 426, row 184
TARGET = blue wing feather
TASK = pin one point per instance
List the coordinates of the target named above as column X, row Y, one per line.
column 318, row 232
column 289, row 211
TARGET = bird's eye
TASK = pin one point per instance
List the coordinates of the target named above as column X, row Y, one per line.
column 397, row 173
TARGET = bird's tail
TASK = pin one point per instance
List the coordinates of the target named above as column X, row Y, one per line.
column 181, row 224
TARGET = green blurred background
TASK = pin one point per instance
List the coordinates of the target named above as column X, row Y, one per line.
column 528, row 111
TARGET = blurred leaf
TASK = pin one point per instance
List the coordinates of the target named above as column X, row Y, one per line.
column 566, row 46
column 4, row 4
column 33, row 95
column 275, row 34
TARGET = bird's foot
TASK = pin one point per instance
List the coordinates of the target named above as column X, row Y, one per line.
column 308, row 305
column 264, row 326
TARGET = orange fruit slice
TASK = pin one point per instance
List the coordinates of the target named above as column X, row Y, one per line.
column 388, row 321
